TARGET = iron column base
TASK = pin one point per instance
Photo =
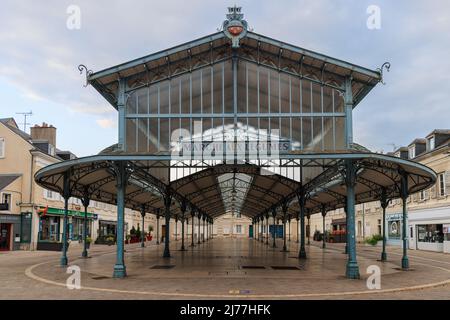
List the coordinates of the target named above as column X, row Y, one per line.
column 63, row 261
column 84, row 254
column 352, row 271
column 302, row 254
column 119, row 271
column 405, row 263
column 383, row 256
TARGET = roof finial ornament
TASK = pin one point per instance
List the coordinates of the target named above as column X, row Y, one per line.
column 235, row 27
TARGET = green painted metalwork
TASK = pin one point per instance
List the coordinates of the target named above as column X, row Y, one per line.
column 122, row 177
column 66, row 195
column 352, row 270
column 404, row 191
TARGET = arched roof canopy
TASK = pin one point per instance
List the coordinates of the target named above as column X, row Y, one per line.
column 258, row 192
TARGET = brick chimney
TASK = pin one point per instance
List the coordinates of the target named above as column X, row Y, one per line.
column 44, row 132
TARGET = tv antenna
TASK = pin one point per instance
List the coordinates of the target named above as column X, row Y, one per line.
column 25, row 116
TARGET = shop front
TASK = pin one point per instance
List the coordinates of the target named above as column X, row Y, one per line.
column 10, row 232
column 394, row 229
column 51, row 220
column 430, row 229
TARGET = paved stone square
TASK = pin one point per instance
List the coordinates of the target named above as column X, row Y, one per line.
column 224, row 269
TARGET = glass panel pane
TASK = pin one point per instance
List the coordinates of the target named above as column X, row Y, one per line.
column 306, row 96
column 306, row 133
column 327, row 99
column 242, row 88
column 153, row 135
column 252, row 88
column 142, row 100
column 217, row 91
column 328, row 133
column 154, row 99
column 340, row 133
column 318, row 138
column 175, row 96
column 274, row 92
column 207, row 81
column 263, row 90
column 164, row 97
column 317, row 101
column 338, row 101
column 285, row 93
column 131, row 135
column 295, row 84
column 228, row 87
column 185, row 94
column 196, row 92
column 132, row 103
column 142, row 135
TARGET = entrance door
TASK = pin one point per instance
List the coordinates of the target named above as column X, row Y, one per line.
column 250, row 231
column 5, row 236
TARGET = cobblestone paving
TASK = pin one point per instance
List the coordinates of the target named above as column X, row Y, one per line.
column 224, row 268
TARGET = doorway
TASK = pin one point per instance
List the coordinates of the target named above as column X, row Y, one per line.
column 5, row 236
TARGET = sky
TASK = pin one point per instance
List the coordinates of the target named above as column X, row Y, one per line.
column 39, row 56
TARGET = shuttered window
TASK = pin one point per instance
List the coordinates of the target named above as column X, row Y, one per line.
column 2, row 147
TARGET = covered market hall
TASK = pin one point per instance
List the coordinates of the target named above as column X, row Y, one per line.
column 236, row 122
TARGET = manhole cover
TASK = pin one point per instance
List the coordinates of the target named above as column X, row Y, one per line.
column 162, row 267
column 253, row 267
column 285, row 268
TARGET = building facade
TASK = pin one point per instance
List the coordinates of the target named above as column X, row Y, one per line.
column 30, row 214
column 428, row 210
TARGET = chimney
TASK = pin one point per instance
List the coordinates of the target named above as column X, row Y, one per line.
column 44, row 132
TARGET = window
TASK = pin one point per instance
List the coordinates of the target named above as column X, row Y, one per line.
column 422, row 195
column 430, row 143
column 430, row 233
column 238, row 228
column 412, row 152
column 441, row 181
column 6, row 199
column 379, row 226
column 48, row 194
column 2, row 147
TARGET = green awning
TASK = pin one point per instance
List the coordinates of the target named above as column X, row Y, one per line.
column 71, row 213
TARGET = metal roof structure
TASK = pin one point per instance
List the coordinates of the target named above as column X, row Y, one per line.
column 232, row 98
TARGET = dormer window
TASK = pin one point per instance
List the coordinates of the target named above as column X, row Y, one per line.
column 412, row 152
column 430, row 143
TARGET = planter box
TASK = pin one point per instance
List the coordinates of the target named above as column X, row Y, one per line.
column 50, row 246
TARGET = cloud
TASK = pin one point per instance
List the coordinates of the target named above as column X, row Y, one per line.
column 107, row 123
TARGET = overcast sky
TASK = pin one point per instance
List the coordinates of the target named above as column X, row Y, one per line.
column 39, row 56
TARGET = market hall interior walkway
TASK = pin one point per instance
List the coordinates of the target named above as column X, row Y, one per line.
column 225, row 268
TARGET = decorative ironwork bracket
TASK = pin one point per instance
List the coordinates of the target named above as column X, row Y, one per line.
column 87, row 71
column 387, row 66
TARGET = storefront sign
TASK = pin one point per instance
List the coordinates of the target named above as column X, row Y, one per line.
column 9, row 218
column 71, row 213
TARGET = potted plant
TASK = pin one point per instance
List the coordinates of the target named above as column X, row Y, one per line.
column 127, row 239
column 88, row 242
column 149, row 234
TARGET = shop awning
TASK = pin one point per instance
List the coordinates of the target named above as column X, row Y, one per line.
column 71, row 213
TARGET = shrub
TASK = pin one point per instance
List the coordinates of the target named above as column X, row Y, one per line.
column 374, row 239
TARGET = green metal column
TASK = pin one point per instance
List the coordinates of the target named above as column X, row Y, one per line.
column 199, row 224
column 176, row 228
column 121, row 101
column 324, row 214
column 204, row 230
column 297, row 227
column 404, row 191
column 66, row 196
column 121, row 179
column 262, row 228
column 167, row 204
column 193, row 222
column 183, row 219
column 274, row 215
column 348, row 100
column 267, row 229
column 157, row 226
column 289, row 224
column 352, row 270
column 285, row 209
column 309, row 230
column 384, row 203
column 302, row 203
column 143, row 226
column 85, row 202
